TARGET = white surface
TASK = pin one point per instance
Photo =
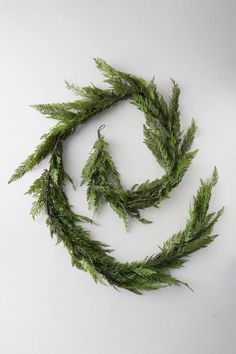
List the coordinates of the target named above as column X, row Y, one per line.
column 48, row 307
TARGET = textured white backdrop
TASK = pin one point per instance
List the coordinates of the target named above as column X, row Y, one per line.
column 48, row 307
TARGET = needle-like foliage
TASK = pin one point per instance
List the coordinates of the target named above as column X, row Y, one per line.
column 170, row 147
column 95, row 257
column 162, row 135
column 101, row 174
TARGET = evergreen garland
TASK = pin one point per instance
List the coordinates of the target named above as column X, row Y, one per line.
column 170, row 147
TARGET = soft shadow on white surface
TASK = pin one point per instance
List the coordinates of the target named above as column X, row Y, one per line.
column 47, row 306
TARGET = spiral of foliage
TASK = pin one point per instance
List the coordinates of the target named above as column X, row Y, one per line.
column 170, row 147
column 162, row 135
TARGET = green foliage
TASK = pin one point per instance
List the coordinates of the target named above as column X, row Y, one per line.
column 100, row 166
column 153, row 272
column 103, row 179
column 197, row 233
column 162, row 135
column 169, row 146
column 58, row 132
column 39, row 191
column 188, row 139
column 155, row 144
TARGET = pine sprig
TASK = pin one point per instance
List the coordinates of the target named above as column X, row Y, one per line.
column 154, row 142
column 39, row 191
column 197, row 233
column 49, row 140
column 188, row 138
column 101, row 175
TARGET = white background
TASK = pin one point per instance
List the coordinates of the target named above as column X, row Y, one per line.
column 48, row 307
